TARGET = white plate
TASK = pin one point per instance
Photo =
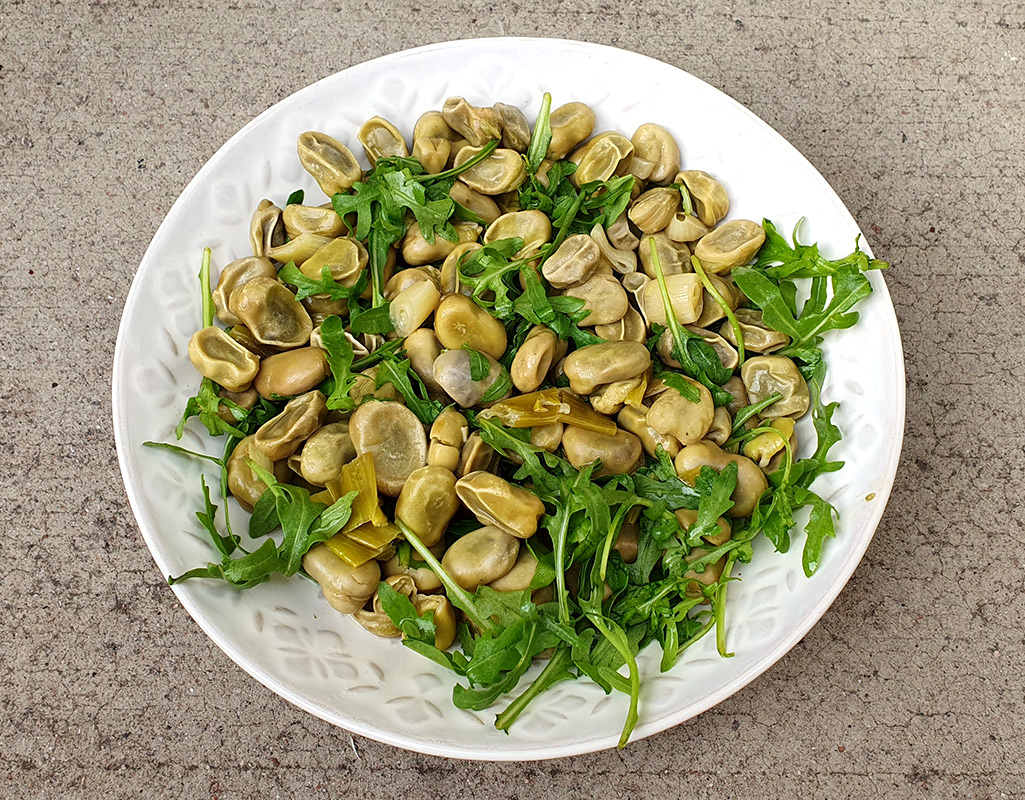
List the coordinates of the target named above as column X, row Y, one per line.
column 282, row 632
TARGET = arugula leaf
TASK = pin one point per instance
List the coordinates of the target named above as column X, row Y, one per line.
column 849, row 286
column 402, row 613
column 375, row 320
column 716, row 489
column 327, row 285
column 239, row 573
column 205, row 405
column 296, row 198
column 804, row 261
column 572, row 210
column 560, row 313
column 819, row 528
column 675, row 380
column 296, row 513
column 207, row 518
column 400, row 374
column 265, row 516
column 499, row 388
column 541, row 136
column 488, row 272
column 332, row 519
column 658, row 482
column 339, row 358
column 480, row 367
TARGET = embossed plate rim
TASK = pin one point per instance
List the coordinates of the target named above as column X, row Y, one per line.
column 852, row 551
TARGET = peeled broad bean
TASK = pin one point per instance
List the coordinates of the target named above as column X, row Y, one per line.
column 604, row 299
column 655, row 145
column 329, row 161
column 620, row 453
column 495, row 501
column 589, row 367
column 459, row 321
column 291, row 373
column 395, row 439
column 534, row 358
column 730, row 245
column 480, row 557
column 266, row 229
column 271, row 313
column 574, row 262
column 217, row 356
column 571, row 124
column 427, row 502
column 765, row 376
column 381, row 139
column 325, row 453
column 282, row 435
column 235, row 274
column 685, row 296
column 674, row 415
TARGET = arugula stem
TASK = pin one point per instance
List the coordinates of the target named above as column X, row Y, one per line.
column 717, row 296
column 559, row 542
column 376, row 267
column 473, row 161
column 618, row 640
column 720, row 606
column 671, row 321
column 745, row 414
column 567, row 221
column 553, row 672
column 541, row 136
column 183, row 451
column 456, row 593
column 204, row 282
column 686, row 203
column 617, row 523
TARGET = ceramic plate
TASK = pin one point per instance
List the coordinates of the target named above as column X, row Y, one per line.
column 283, row 633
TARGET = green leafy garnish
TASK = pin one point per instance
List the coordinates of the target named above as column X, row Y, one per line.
column 782, row 260
column 296, row 198
column 339, row 358
column 303, row 522
column 541, row 136
column 326, row 285
column 401, row 375
column 394, row 187
column 480, row 367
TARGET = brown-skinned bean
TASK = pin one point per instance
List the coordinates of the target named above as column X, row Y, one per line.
column 291, row 373
column 427, row 502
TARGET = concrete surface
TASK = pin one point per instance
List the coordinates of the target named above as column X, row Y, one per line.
column 911, row 686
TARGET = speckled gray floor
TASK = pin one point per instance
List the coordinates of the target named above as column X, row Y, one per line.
column 911, row 686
